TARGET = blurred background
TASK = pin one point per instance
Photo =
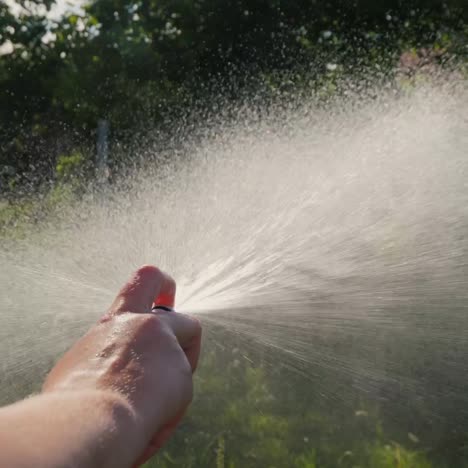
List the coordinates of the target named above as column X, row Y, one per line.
column 92, row 91
column 67, row 67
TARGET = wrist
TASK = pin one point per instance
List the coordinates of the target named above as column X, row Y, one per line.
column 121, row 438
column 102, row 427
column 125, row 439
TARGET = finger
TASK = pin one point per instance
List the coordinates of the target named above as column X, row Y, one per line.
column 188, row 331
column 160, row 438
column 192, row 351
column 138, row 294
column 166, row 296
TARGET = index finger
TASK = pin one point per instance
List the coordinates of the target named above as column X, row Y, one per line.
column 188, row 331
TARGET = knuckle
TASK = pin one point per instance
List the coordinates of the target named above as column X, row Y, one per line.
column 193, row 323
column 153, row 325
column 143, row 327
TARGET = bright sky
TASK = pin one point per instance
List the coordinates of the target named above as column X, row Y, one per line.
column 58, row 10
column 60, row 7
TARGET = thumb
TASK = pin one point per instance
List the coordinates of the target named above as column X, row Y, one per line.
column 140, row 291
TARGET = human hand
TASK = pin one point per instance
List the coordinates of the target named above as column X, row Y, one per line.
column 147, row 358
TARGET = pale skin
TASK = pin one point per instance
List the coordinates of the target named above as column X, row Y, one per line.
column 118, row 394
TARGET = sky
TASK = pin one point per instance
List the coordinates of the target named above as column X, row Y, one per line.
column 60, row 7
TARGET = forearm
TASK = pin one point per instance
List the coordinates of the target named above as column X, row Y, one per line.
column 117, row 394
column 70, row 429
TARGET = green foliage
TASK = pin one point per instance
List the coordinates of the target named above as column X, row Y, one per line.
column 395, row 456
column 17, row 216
column 306, row 460
column 244, row 417
column 70, row 167
column 14, row 218
column 220, row 455
column 140, row 61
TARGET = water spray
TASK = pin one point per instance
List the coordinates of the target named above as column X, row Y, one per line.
column 326, row 242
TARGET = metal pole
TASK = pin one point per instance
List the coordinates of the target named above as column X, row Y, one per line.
column 102, row 150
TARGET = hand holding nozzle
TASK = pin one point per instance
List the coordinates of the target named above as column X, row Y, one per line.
column 131, row 374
